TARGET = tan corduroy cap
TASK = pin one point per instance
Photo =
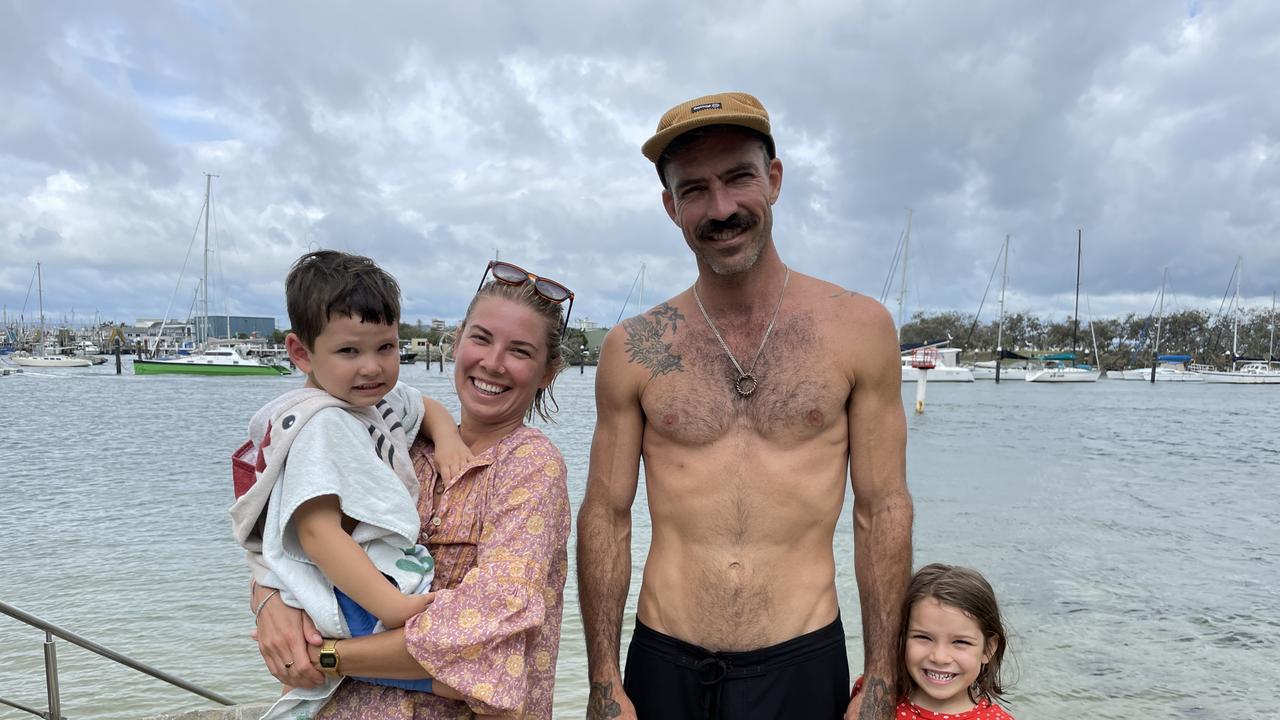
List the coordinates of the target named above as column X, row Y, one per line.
column 731, row 108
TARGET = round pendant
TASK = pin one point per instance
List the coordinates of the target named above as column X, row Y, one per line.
column 745, row 384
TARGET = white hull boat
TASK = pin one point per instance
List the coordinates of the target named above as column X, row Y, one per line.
column 946, row 369
column 1250, row 374
column 1062, row 375
column 939, row 373
column 50, row 361
column 40, row 358
column 987, row 371
column 1162, row 375
column 1247, row 372
column 1053, row 370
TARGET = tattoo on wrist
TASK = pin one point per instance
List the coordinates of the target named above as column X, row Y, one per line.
column 600, row 704
column 877, row 700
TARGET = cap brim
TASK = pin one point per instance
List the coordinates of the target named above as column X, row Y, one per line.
column 654, row 146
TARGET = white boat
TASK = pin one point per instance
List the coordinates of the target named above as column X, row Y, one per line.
column 1169, row 368
column 999, row 369
column 50, row 361
column 1054, row 368
column 946, row 369
column 1054, row 371
column 1254, row 373
column 986, row 370
column 1247, row 371
column 40, row 358
column 1163, row 374
column 212, row 359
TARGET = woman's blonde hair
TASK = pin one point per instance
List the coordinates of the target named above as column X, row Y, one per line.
column 544, row 401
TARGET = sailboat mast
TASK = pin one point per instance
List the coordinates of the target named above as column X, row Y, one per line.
column 1155, row 349
column 40, row 300
column 902, row 288
column 1271, row 347
column 1235, row 320
column 1004, row 281
column 204, row 286
column 1075, row 317
column 1097, row 356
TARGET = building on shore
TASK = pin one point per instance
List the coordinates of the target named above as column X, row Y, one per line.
column 232, row 326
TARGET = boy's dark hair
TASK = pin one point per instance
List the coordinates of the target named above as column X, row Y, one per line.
column 969, row 592
column 327, row 282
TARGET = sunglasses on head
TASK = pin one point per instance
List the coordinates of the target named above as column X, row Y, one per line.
column 550, row 290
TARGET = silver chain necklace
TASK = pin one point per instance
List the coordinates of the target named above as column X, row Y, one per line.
column 746, row 382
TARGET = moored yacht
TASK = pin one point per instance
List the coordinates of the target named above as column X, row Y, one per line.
column 947, row 369
column 1056, row 370
column 1251, row 373
column 213, row 361
column 1169, row 368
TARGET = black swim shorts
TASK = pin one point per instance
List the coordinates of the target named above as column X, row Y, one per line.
column 804, row 677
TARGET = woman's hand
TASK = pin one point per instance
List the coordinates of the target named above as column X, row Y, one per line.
column 283, row 636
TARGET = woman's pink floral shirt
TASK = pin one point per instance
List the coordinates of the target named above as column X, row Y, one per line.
column 499, row 534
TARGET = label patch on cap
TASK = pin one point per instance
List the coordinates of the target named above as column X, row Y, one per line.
column 705, row 106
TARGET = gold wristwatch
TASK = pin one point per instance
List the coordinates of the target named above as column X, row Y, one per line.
column 329, row 658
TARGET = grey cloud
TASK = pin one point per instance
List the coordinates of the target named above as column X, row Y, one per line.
column 430, row 136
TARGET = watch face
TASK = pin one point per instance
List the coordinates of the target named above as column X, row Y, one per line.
column 328, row 660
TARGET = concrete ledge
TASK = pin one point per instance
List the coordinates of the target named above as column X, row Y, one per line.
column 235, row 712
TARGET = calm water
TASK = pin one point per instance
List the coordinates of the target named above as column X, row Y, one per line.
column 1128, row 529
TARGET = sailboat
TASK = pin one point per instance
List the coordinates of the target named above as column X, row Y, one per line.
column 41, row 357
column 995, row 369
column 1164, row 368
column 210, row 359
column 947, row 367
column 1055, row 369
column 1247, row 372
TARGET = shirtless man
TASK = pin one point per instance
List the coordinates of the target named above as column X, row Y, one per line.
column 747, row 396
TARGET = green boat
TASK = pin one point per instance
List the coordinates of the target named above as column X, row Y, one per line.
column 214, row 361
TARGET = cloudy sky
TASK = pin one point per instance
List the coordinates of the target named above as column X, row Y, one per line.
column 432, row 135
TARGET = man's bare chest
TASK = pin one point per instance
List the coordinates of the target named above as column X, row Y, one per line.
column 799, row 392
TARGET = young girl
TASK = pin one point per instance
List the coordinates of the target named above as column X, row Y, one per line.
column 951, row 647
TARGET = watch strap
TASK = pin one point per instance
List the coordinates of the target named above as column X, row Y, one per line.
column 330, row 662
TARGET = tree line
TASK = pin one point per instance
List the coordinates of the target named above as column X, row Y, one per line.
column 1122, row 342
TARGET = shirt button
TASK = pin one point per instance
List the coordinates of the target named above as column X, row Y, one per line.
column 435, row 521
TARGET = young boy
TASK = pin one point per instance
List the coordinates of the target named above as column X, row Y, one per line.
column 329, row 499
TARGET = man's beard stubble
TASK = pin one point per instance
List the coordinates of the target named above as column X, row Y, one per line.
column 736, row 223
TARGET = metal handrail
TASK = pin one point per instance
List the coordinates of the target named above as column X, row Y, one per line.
column 51, row 663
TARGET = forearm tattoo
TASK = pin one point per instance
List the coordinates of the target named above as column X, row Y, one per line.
column 600, row 704
column 877, row 700
column 645, row 344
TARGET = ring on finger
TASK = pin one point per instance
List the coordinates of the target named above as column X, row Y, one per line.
column 289, row 664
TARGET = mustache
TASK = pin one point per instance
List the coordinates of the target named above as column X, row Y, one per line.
column 736, row 222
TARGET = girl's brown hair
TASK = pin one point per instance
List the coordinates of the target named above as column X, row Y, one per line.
column 544, row 401
column 967, row 591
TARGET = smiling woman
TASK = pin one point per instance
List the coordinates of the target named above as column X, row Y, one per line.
column 498, row 532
